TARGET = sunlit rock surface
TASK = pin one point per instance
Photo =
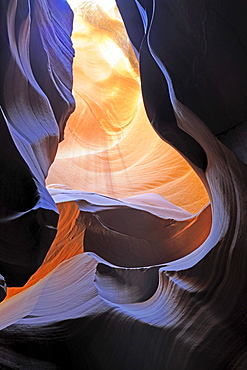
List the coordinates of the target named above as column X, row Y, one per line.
column 143, row 271
column 110, row 145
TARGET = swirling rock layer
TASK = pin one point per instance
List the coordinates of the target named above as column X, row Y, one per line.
column 35, row 101
column 148, row 275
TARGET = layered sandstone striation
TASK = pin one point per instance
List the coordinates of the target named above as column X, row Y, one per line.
column 148, row 266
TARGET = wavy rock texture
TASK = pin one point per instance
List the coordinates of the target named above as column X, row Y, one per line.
column 35, row 99
column 148, row 275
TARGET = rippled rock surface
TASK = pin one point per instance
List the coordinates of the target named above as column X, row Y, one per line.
column 145, row 270
column 36, row 100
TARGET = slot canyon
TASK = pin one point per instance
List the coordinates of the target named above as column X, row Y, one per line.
column 123, row 184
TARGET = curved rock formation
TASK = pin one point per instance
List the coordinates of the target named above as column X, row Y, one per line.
column 148, row 274
column 109, row 140
column 36, row 100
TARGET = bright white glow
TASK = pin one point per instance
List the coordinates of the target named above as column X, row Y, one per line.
column 111, row 52
column 106, row 5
